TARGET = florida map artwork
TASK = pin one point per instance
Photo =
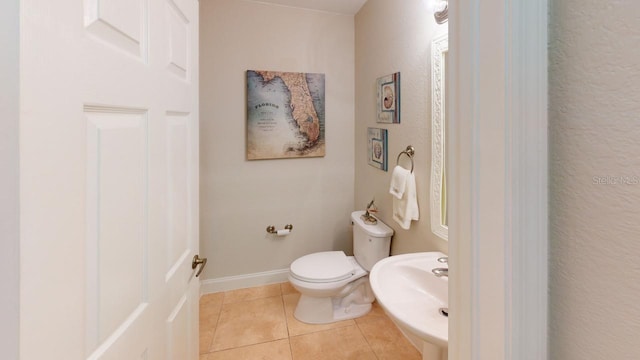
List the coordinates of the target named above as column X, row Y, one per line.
column 285, row 115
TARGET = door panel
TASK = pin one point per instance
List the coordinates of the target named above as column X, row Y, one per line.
column 181, row 236
column 117, row 246
column 109, row 179
column 178, row 215
column 178, row 27
column 121, row 23
column 178, row 330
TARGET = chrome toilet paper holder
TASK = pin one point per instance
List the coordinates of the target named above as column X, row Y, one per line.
column 272, row 229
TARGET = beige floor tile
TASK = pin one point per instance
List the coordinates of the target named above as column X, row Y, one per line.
column 210, row 306
column 253, row 293
column 286, row 288
column 206, row 336
column 250, row 322
column 211, row 299
column 376, row 313
column 211, row 303
column 297, row 327
column 208, row 324
column 274, row 350
column 387, row 341
column 335, row 344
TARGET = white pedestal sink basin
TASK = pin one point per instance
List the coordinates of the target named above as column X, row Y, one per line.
column 412, row 296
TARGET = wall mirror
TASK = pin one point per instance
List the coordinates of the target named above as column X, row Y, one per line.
column 438, row 196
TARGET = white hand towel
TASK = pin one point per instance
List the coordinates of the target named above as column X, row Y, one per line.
column 398, row 181
column 406, row 208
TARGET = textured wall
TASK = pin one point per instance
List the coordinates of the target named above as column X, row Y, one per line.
column 9, row 184
column 392, row 38
column 239, row 198
column 594, row 117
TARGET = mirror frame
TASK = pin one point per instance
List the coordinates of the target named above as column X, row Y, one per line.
column 439, row 46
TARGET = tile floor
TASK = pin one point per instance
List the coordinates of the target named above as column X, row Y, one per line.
column 258, row 323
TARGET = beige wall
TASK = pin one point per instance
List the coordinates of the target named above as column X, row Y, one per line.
column 594, row 117
column 9, row 179
column 239, row 198
column 391, row 38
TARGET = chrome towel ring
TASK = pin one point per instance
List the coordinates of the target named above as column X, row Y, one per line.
column 409, row 151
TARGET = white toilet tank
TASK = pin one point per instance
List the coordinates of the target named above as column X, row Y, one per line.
column 371, row 243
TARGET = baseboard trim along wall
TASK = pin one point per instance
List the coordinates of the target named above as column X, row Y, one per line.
column 227, row 283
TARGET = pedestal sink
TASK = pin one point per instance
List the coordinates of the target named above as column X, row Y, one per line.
column 413, row 297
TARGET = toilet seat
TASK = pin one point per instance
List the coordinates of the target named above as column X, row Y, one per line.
column 322, row 267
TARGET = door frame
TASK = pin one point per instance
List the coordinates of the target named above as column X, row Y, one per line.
column 9, row 181
column 498, row 226
column 526, row 238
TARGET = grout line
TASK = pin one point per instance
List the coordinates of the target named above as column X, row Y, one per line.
column 251, row 299
column 217, row 322
column 324, row 330
column 246, row 346
column 286, row 321
column 254, row 299
column 215, row 325
column 284, row 312
column 366, row 339
column 328, row 329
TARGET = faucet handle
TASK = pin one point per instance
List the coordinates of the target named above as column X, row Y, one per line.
column 443, row 260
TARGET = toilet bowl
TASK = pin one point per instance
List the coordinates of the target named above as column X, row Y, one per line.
column 334, row 286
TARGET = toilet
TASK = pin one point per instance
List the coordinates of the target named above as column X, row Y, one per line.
column 334, row 286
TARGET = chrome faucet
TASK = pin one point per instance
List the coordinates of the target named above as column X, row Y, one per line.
column 440, row 272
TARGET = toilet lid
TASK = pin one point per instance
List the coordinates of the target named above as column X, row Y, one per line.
column 327, row 266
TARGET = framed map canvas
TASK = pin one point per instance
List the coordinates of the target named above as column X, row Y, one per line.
column 377, row 148
column 388, row 100
column 285, row 115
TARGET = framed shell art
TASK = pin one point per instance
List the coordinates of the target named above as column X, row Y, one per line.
column 388, row 100
column 377, row 148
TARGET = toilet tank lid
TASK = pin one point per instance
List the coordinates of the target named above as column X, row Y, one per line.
column 326, row 266
column 380, row 229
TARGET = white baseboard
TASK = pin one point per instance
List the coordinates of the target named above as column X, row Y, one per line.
column 227, row 283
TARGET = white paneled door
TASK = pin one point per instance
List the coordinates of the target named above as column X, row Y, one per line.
column 109, row 179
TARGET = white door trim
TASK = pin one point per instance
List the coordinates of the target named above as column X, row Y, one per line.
column 498, row 221
column 9, row 180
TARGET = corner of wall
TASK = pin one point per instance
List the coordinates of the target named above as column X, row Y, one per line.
column 403, row 45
